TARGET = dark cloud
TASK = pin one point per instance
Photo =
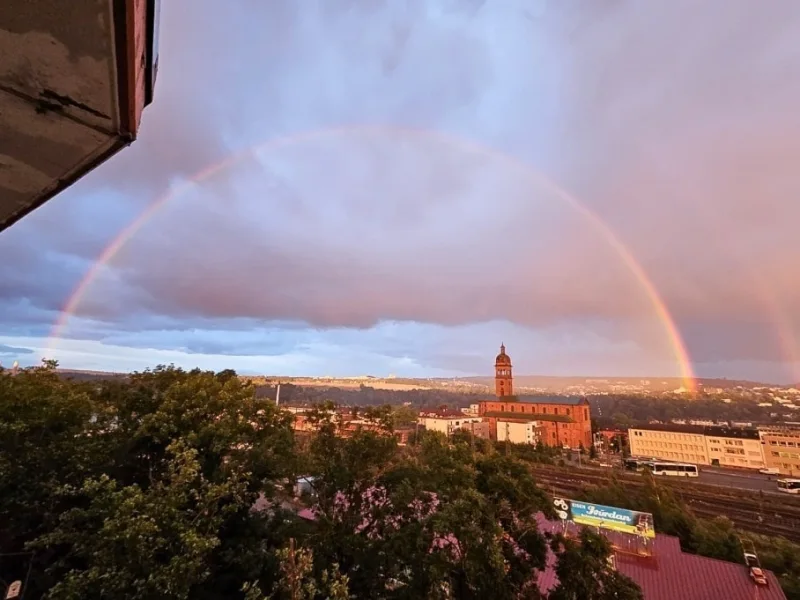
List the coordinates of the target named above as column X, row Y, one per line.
column 12, row 351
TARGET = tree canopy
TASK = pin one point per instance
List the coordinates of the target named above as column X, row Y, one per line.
column 176, row 484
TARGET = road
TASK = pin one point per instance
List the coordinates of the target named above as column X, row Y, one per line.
column 746, row 481
column 722, row 477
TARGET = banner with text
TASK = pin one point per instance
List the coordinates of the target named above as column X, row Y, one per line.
column 605, row 517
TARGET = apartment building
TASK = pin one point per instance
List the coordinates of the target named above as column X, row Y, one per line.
column 445, row 421
column 680, row 443
column 734, row 447
column 519, row 431
column 480, row 429
column 781, row 447
column 701, row 445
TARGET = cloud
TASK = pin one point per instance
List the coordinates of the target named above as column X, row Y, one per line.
column 675, row 124
column 12, row 351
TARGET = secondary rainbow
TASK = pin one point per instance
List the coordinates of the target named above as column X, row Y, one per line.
column 676, row 341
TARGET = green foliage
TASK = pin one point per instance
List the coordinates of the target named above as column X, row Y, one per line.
column 629, row 410
column 144, row 488
column 136, row 487
column 448, row 519
column 130, row 542
column 297, row 580
column 538, row 453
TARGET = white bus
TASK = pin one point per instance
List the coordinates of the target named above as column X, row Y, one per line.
column 790, row 486
column 675, row 469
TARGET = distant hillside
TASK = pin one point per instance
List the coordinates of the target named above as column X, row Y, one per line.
column 653, row 384
column 483, row 384
column 88, row 375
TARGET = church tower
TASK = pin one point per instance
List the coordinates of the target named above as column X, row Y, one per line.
column 503, row 381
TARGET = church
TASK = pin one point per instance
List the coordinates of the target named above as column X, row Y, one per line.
column 559, row 420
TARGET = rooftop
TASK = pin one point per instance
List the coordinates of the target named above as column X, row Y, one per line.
column 711, row 430
column 671, row 574
column 515, row 416
column 74, row 80
column 443, row 414
column 544, row 399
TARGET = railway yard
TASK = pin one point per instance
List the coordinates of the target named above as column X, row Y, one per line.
column 767, row 513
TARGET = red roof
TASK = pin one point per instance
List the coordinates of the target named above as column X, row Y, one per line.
column 671, row 574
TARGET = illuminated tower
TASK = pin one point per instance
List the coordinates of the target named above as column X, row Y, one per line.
column 503, row 381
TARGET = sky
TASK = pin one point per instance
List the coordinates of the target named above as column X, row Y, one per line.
column 403, row 185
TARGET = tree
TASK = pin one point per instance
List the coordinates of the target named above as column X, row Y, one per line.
column 584, row 570
column 297, row 581
column 446, row 518
column 51, row 436
column 133, row 543
column 173, row 484
column 86, row 452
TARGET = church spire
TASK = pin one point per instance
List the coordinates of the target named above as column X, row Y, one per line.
column 503, row 380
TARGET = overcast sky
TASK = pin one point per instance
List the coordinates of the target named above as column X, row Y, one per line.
column 422, row 224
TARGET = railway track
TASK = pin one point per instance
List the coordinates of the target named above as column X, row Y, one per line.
column 750, row 511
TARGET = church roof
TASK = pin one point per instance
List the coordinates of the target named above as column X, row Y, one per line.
column 510, row 416
column 544, row 399
column 502, row 358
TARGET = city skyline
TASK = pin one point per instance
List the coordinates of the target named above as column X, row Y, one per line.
column 398, row 189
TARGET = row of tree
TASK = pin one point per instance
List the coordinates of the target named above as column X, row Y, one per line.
column 622, row 410
column 172, row 484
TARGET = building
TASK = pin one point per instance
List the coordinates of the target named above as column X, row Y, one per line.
column 503, row 379
column 75, row 78
column 682, row 443
column 781, row 447
column 563, row 420
column 669, row 573
column 471, row 410
column 734, row 447
column 519, row 431
column 445, row 421
column 347, row 424
column 480, row 429
column 611, row 440
column 698, row 444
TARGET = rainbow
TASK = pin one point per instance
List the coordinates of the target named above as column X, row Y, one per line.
column 674, row 336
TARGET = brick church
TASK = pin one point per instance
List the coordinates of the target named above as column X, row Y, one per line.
column 561, row 420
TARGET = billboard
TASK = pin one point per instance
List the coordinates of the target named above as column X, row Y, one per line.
column 606, row 517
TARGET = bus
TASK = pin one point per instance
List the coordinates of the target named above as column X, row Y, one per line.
column 675, row 469
column 790, row 486
column 638, row 464
column 661, row 467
